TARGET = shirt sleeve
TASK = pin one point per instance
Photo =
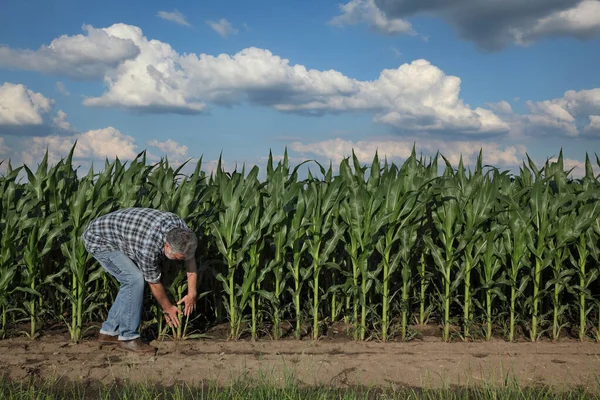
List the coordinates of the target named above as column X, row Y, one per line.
column 149, row 263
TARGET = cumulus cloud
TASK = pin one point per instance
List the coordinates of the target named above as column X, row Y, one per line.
column 174, row 16
column 20, row 106
column 581, row 21
column 170, row 148
column 223, row 27
column 495, row 24
column 62, row 88
column 501, row 107
column 563, row 116
column 25, row 112
column 337, row 149
column 365, row 11
column 414, row 97
column 593, row 127
column 95, row 144
column 60, row 121
column 79, row 56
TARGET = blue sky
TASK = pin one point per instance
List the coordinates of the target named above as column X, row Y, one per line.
column 191, row 79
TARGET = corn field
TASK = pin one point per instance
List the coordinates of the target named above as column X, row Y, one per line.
column 381, row 249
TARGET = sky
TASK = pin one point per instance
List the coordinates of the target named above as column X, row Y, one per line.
column 238, row 79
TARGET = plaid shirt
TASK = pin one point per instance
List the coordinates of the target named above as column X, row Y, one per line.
column 138, row 232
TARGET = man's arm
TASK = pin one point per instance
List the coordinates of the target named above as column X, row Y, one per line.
column 192, row 275
column 192, row 278
column 170, row 310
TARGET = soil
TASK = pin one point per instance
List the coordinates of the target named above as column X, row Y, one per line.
column 425, row 361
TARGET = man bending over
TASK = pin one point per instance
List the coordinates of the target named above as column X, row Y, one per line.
column 131, row 244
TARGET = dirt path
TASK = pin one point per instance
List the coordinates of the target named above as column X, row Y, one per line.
column 418, row 363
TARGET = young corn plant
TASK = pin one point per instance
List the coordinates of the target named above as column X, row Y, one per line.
column 443, row 244
column 424, row 271
column 84, row 205
column 478, row 196
column 129, row 183
column 586, row 245
column 176, row 288
column 594, row 250
column 282, row 190
column 364, row 216
column 323, row 231
column 10, row 220
column 491, row 275
column 541, row 203
column 515, row 239
column 236, row 192
column 256, row 230
column 298, row 246
column 40, row 237
column 398, row 242
column 40, row 230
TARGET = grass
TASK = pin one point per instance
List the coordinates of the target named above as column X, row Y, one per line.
column 248, row 389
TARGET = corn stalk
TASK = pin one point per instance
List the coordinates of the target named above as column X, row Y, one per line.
column 323, row 231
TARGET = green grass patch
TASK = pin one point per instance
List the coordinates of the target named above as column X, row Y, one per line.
column 250, row 389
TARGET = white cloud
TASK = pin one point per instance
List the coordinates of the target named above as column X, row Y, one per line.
column 223, row 27
column 25, row 112
column 60, row 121
column 95, row 144
column 593, row 128
column 20, row 106
column 171, row 148
column 561, row 115
column 78, row 56
column 414, row 97
column 583, row 21
column 495, row 24
column 501, row 107
column 62, row 88
column 174, row 16
column 336, row 149
column 365, row 11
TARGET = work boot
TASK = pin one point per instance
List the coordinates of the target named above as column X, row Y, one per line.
column 136, row 346
column 108, row 339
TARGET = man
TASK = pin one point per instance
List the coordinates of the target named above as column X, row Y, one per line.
column 131, row 245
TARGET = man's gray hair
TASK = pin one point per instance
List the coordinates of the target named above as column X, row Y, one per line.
column 182, row 241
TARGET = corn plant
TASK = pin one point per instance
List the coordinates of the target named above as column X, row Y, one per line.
column 282, row 190
column 515, row 239
column 129, row 182
column 362, row 212
column 9, row 230
column 39, row 230
column 84, row 205
column 297, row 245
column 368, row 244
column 542, row 209
column 444, row 246
column 323, row 231
column 586, row 214
column 256, row 229
column 491, row 273
column 236, row 193
column 397, row 244
column 478, row 197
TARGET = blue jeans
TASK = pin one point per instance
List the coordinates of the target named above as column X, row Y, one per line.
column 126, row 312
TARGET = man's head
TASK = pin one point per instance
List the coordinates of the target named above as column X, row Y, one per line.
column 180, row 244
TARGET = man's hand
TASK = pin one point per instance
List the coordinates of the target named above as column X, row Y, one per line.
column 192, row 278
column 172, row 316
column 190, row 303
column 171, row 311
